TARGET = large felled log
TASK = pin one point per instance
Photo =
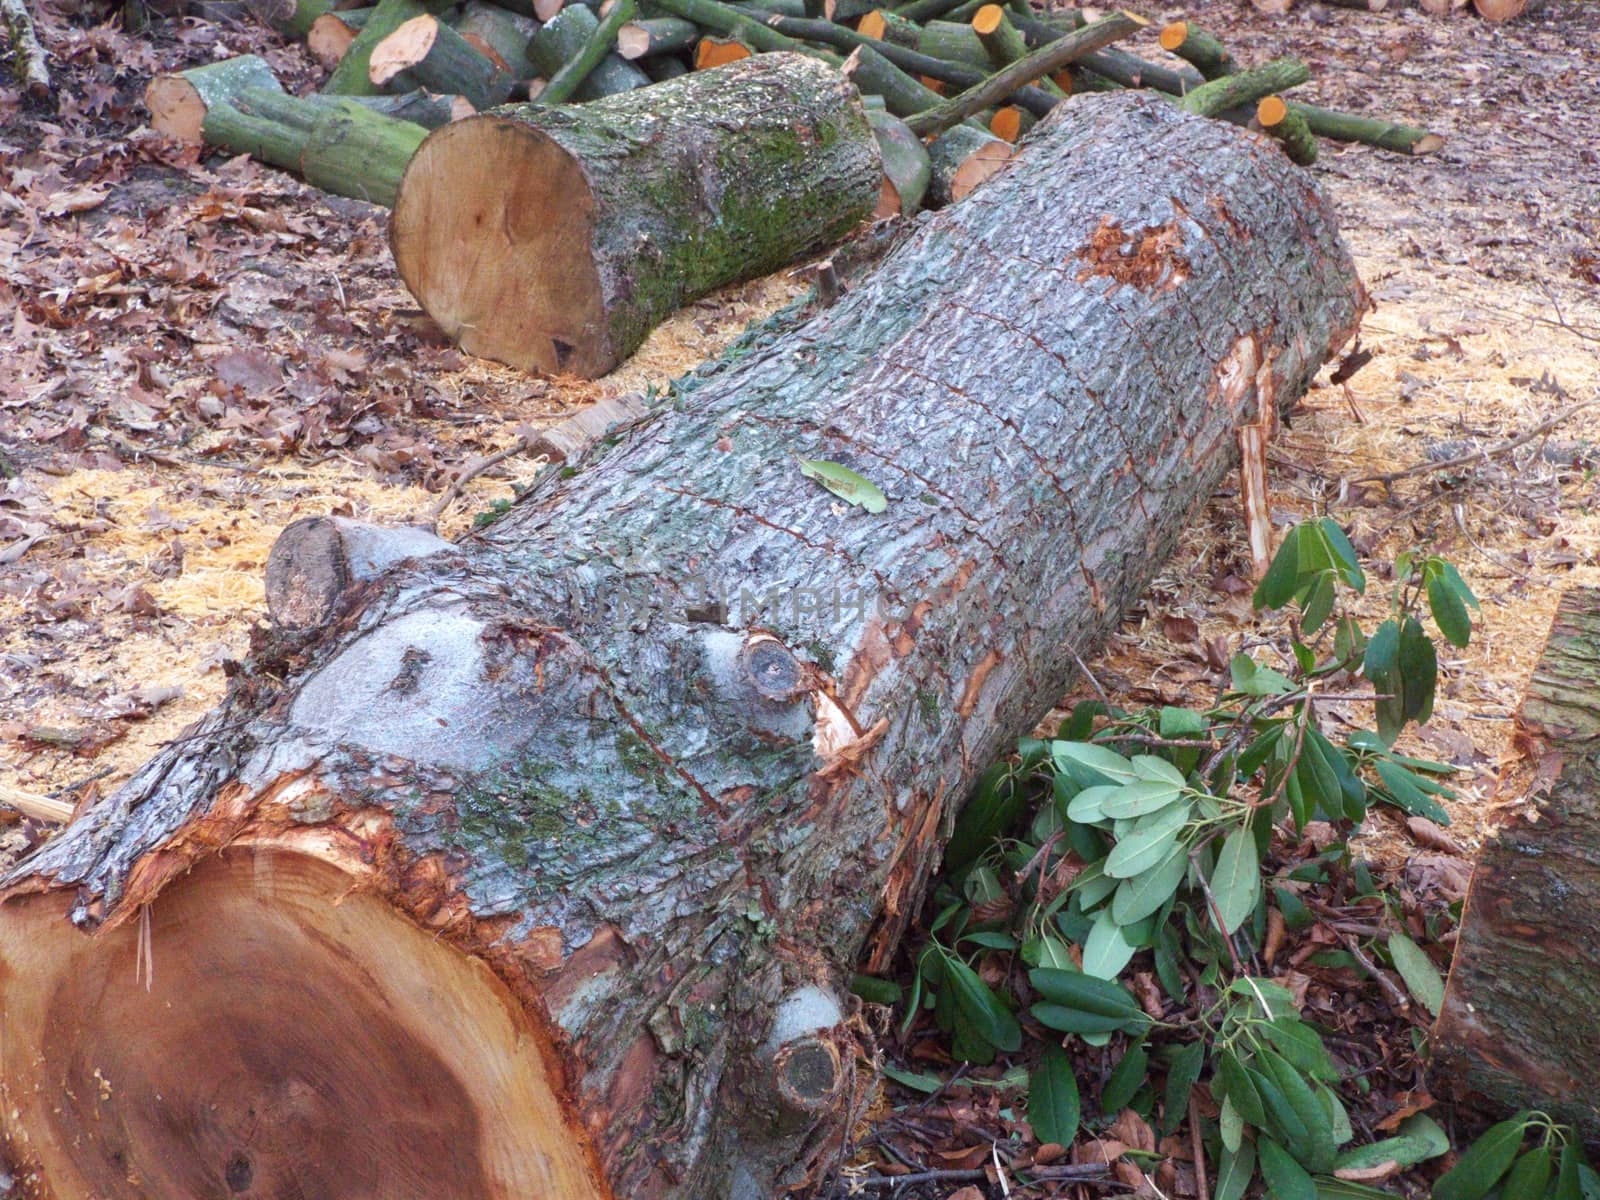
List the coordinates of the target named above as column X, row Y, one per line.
column 554, row 239
column 1518, row 1022
column 538, row 870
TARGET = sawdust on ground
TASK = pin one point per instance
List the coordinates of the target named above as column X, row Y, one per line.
column 1482, row 259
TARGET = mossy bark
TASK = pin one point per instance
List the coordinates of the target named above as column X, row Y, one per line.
column 672, row 742
column 337, row 145
column 1518, row 1023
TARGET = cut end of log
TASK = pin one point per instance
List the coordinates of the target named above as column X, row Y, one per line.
column 1006, row 123
column 536, row 302
column 1271, row 111
column 987, row 19
column 1499, row 10
column 1427, row 144
column 718, row 52
column 633, row 41
column 176, row 108
column 329, row 39
column 1174, row 35
column 873, row 25
column 403, row 49
column 265, row 1028
column 986, row 161
column 888, row 201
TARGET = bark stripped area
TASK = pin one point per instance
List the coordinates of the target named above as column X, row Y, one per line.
column 1517, row 1026
column 667, row 743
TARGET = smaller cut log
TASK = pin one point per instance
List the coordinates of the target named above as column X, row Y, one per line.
column 905, row 166
column 564, row 84
column 350, row 77
column 1197, row 48
column 1010, row 122
column 1362, row 5
column 1004, row 44
column 331, row 34
column 1517, row 1026
column 178, row 103
column 1288, row 128
column 563, row 38
column 1370, row 131
column 555, row 238
column 499, row 34
column 1245, row 88
column 318, row 563
column 424, row 52
column 657, row 35
column 960, row 159
column 1046, row 60
column 712, row 52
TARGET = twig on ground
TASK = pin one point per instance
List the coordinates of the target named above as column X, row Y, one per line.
column 1391, row 993
column 38, row 808
column 1488, row 452
column 1198, row 1150
column 472, row 471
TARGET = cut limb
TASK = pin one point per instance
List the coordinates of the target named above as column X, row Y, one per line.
column 425, row 52
column 554, row 239
column 556, row 848
column 178, row 102
column 1518, row 1022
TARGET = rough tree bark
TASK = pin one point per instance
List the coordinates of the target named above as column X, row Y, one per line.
column 1518, row 1022
column 547, row 853
column 555, row 238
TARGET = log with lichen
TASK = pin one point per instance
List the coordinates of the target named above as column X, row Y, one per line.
column 534, row 865
column 555, row 237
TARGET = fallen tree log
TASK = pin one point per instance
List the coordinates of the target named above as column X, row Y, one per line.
column 536, row 871
column 1517, row 1026
column 554, row 239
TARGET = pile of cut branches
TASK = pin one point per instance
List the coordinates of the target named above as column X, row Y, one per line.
column 948, row 83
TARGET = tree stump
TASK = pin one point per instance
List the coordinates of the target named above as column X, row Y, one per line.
column 1518, row 1023
column 538, row 868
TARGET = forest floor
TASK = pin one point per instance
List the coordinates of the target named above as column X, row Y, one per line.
column 195, row 352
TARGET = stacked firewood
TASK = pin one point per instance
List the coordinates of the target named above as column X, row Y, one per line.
column 949, row 85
